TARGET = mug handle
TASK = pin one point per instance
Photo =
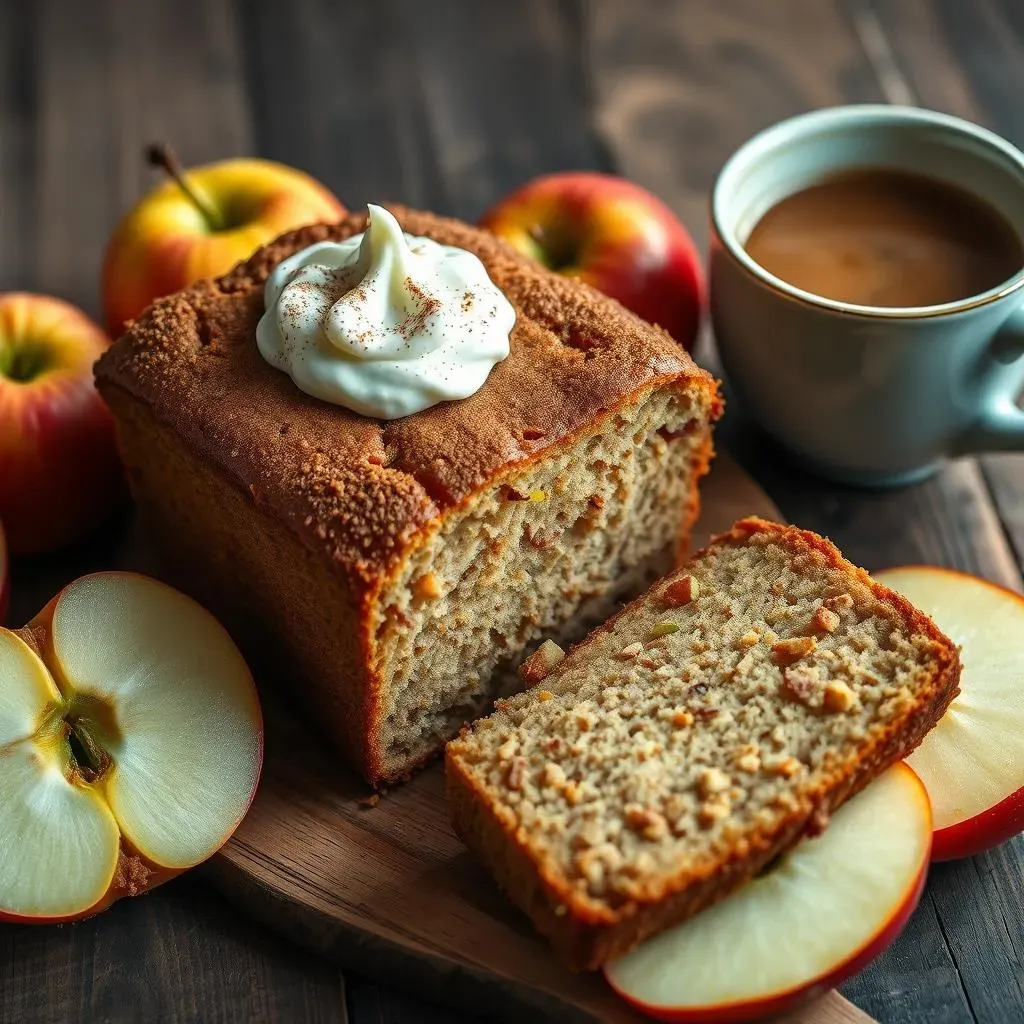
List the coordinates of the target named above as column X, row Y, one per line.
column 1000, row 424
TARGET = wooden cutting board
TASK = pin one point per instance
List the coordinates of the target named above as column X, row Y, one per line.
column 387, row 889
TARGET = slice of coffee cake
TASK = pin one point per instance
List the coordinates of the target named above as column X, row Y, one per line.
column 695, row 736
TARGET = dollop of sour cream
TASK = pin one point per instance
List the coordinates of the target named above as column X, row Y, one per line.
column 384, row 323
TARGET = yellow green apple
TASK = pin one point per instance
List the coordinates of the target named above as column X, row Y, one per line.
column 59, row 470
column 200, row 223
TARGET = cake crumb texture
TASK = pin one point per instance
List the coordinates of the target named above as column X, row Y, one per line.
column 695, row 737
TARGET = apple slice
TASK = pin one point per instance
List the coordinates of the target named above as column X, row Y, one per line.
column 131, row 742
column 816, row 916
column 972, row 762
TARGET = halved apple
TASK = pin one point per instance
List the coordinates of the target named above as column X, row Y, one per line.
column 972, row 762
column 131, row 742
column 816, row 916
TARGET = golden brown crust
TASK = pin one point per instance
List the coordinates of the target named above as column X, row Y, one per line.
column 359, row 489
column 587, row 932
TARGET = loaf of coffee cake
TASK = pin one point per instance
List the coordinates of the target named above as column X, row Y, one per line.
column 401, row 569
column 694, row 737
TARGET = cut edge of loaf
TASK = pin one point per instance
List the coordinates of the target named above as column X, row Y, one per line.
column 250, row 577
column 588, row 525
column 588, row 932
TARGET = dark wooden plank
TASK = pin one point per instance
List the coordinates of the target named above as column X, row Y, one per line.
column 346, row 104
column 679, row 87
column 369, row 1004
column 981, row 915
column 1005, row 476
column 81, row 88
column 968, row 61
column 908, row 40
column 444, row 105
column 911, row 981
column 179, row 954
column 74, row 205
column 18, row 110
column 986, row 39
column 947, row 520
column 501, row 113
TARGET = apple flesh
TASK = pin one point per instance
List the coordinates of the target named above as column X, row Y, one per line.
column 168, row 241
column 972, row 762
column 131, row 742
column 815, row 917
column 60, row 474
column 614, row 235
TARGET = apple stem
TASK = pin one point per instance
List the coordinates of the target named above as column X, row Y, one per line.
column 23, row 363
column 160, row 155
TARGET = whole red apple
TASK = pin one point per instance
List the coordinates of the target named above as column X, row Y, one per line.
column 59, row 470
column 614, row 235
column 200, row 223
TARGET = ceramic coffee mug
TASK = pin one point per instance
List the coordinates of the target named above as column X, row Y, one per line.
column 866, row 394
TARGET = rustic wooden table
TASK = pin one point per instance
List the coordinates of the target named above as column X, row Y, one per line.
column 447, row 105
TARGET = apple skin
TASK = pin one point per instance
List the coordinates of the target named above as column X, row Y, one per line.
column 614, row 235
column 982, row 832
column 60, row 474
column 993, row 826
column 166, row 243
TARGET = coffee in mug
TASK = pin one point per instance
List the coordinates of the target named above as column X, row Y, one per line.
column 867, row 289
column 883, row 237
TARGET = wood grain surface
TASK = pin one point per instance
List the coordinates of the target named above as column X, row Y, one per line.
column 447, row 105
